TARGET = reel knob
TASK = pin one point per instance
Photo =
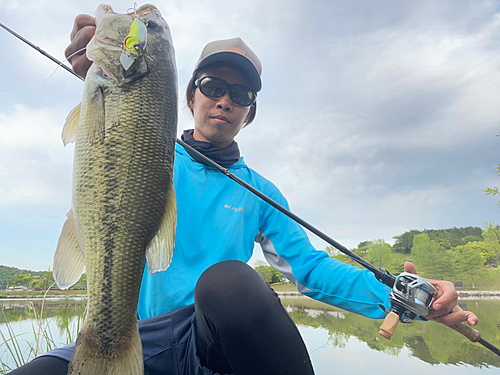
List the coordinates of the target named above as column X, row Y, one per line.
column 389, row 325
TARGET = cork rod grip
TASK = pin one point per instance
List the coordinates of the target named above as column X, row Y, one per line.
column 467, row 331
column 389, row 325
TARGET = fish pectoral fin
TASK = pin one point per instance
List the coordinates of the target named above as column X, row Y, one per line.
column 161, row 248
column 95, row 115
column 69, row 259
column 71, row 125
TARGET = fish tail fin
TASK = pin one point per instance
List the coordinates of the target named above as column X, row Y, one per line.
column 127, row 360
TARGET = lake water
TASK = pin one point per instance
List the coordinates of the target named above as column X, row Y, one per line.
column 338, row 342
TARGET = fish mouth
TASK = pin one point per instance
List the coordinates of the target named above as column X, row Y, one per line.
column 111, row 45
column 102, row 74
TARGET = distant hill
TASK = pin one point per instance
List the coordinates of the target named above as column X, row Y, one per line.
column 6, row 274
column 450, row 237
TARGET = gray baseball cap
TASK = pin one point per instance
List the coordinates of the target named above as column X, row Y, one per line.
column 236, row 52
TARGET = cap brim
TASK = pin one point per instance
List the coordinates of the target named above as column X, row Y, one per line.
column 235, row 58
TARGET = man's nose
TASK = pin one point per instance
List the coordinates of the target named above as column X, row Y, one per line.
column 225, row 102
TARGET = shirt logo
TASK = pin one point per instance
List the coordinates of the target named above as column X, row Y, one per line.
column 235, row 209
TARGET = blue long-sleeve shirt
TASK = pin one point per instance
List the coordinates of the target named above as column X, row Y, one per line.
column 219, row 220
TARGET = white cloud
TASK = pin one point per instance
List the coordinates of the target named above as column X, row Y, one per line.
column 34, row 165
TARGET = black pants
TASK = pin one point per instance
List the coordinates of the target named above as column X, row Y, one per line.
column 241, row 325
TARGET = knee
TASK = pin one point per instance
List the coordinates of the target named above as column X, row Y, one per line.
column 230, row 282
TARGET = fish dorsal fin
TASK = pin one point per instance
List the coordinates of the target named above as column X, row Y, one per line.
column 69, row 259
column 161, row 248
column 71, row 125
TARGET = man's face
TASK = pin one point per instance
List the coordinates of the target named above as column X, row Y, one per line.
column 219, row 120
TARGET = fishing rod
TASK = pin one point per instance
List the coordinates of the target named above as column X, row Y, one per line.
column 410, row 295
column 68, row 69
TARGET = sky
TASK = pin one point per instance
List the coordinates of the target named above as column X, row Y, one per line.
column 375, row 118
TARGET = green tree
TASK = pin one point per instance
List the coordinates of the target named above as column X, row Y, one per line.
column 35, row 281
column 434, row 260
column 494, row 191
column 268, row 273
column 363, row 248
column 20, row 280
column 468, row 239
column 491, row 235
column 276, row 276
column 82, row 283
column 332, row 252
column 265, row 273
column 398, row 266
column 379, row 253
column 261, row 262
column 43, row 281
column 404, row 242
column 470, row 260
column 448, row 238
column 336, row 254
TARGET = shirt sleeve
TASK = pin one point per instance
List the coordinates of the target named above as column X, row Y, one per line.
column 288, row 249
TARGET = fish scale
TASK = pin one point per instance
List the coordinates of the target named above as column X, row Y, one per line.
column 123, row 207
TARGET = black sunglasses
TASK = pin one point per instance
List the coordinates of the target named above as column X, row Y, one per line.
column 214, row 87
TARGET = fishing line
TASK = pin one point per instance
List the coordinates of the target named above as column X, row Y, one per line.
column 320, row 347
column 134, row 9
column 46, row 79
column 68, row 69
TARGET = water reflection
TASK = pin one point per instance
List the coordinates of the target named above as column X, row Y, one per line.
column 338, row 341
column 430, row 342
column 62, row 310
column 31, row 327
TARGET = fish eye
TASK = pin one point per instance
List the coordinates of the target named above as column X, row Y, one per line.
column 151, row 24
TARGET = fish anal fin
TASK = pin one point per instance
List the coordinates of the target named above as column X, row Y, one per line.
column 71, row 125
column 69, row 259
column 161, row 248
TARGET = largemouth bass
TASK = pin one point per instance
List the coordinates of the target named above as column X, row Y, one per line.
column 123, row 204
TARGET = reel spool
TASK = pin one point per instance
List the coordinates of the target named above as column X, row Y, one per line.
column 410, row 298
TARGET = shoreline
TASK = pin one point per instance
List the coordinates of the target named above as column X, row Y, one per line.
column 462, row 294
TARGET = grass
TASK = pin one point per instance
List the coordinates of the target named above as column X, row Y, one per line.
column 16, row 350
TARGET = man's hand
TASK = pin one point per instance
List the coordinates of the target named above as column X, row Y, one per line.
column 444, row 308
column 83, row 31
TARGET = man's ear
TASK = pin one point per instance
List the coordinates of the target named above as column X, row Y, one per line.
column 250, row 114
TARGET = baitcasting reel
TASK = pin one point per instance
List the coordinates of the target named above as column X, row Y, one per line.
column 410, row 297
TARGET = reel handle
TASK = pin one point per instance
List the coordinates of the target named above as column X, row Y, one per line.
column 389, row 325
column 469, row 332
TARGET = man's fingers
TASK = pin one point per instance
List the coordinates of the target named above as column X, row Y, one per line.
column 448, row 298
column 409, row 267
column 81, row 21
column 80, row 41
column 81, row 65
column 456, row 316
column 472, row 319
column 83, row 31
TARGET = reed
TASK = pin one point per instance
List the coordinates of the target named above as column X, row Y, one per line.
column 18, row 349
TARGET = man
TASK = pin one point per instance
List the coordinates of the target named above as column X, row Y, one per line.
column 210, row 312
